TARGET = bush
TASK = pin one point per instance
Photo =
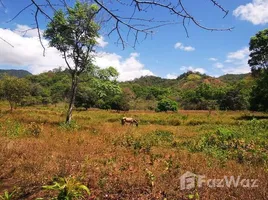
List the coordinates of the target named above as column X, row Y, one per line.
column 243, row 145
column 147, row 141
column 167, row 105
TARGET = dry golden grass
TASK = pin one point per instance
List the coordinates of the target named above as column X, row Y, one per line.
column 96, row 150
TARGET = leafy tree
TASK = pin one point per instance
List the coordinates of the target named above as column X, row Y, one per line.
column 86, row 97
column 259, row 65
column 234, row 100
column 74, row 34
column 259, row 95
column 14, row 90
column 167, row 105
column 102, row 86
column 120, row 103
column 204, row 97
column 259, row 51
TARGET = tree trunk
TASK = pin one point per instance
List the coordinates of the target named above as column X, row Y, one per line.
column 72, row 98
column 11, row 106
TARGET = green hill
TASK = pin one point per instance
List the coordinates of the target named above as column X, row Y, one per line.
column 188, row 80
column 232, row 78
column 13, row 72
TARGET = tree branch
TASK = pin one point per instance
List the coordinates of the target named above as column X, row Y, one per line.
column 128, row 23
column 6, row 42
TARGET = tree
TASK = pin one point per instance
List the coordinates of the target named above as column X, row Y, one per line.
column 167, row 105
column 86, row 97
column 234, row 99
column 74, row 34
column 259, row 51
column 15, row 90
column 259, row 66
column 103, row 86
column 259, row 95
column 130, row 20
column 118, row 103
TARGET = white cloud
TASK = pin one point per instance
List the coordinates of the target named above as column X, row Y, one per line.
column 24, row 30
column 171, row 76
column 191, row 68
column 239, row 69
column 238, row 55
column 189, row 48
column 218, row 65
column 237, row 62
column 255, row 12
column 128, row 68
column 180, row 46
column 27, row 52
column 101, row 42
column 213, row 59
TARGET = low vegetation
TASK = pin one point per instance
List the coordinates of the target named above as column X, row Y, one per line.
column 98, row 158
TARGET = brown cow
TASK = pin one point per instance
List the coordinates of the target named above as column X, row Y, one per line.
column 129, row 120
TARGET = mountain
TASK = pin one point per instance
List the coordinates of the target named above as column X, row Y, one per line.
column 188, row 80
column 13, row 72
column 232, row 78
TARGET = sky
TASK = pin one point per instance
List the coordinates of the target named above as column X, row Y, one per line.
column 167, row 53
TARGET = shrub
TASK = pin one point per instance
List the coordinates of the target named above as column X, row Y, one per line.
column 167, row 105
column 12, row 129
column 68, row 188
column 147, row 141
column 242, row 145
column 34, row 129
column 73, row 126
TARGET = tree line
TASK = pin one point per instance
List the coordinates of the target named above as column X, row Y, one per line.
column 191, row 91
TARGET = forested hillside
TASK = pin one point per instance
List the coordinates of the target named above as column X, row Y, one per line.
column 190, row 90
column 13, row 72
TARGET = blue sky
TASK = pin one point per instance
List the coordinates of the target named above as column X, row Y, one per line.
column 168, row 53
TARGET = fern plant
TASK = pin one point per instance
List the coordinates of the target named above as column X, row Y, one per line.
column 7, row 196
column 69, row 188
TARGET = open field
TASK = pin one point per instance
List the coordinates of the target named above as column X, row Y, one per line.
column 128, row 162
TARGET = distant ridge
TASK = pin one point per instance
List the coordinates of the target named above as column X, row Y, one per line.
column 188, row 80
column 13, row 72
column 232, row 78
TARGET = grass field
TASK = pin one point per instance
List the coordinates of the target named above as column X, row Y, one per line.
column 129, row 162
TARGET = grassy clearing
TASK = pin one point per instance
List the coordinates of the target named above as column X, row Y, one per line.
column 127, row 162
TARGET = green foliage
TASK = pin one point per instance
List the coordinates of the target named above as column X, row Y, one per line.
column 77, row 24
column 14, row 90
column 247, row 143
column 145, row 142
column 69, row 188
column 86, row 97
column 74, row 34
column 16, row 73
column 7, row 195
column 259, row 95
column 259, row 51
column 167, row 105
column 234, row 100
column 49, row 87
column 12, row 129
column 233, row 78
column 98, row 88
column 72, row 126
column 195, row 75
column 150, row 177
column 120, row 102
column 34, row 129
